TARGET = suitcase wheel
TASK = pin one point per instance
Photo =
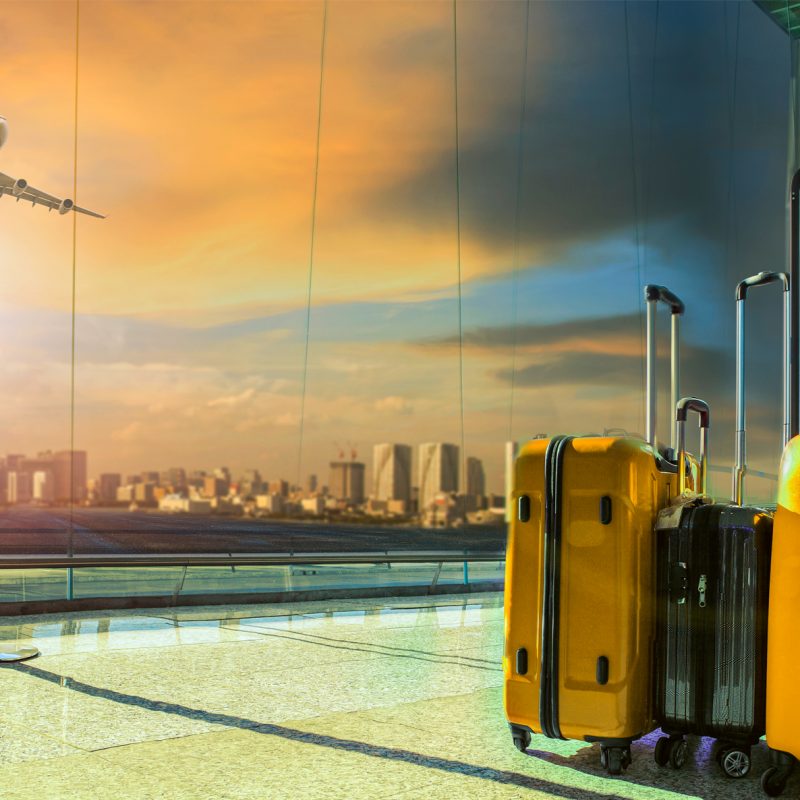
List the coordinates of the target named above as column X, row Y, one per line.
column 615, row 759
column 671, row 750
column 522, row 739
column 773, row 781
column 678, row 750
column 735, row 763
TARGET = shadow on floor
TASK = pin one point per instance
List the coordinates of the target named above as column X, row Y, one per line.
column 320, row 740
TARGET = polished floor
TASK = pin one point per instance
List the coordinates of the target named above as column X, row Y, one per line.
column 352, row 699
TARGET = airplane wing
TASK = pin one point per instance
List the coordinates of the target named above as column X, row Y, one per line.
column 22, row 190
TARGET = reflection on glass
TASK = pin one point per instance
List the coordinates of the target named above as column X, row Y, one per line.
column 409, row 233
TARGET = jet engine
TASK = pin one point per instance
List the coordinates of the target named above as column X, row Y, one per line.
column 20, row 185
column 3, row 131
column 64, row 206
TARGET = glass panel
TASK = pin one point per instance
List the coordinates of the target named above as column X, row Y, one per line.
column 384, row 224
column 36, row 299
column 31, row 585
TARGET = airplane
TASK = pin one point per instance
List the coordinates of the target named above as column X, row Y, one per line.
column 22, row 190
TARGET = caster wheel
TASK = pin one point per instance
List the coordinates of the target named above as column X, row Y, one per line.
column 626, row 757
column 615, row 760
column 773, row 782
column 603, row 757
column 678, row 749
column 734, row 763
column 522, row 740
column 661, row 754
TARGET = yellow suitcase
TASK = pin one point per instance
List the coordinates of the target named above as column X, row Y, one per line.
column 579, row 588
column 783, row 628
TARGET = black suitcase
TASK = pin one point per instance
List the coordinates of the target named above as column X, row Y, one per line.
column 712, row 584
column 713, row 590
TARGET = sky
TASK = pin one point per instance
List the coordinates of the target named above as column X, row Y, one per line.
column 604, row 146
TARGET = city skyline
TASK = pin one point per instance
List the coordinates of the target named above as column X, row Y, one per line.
column 105, row 483
column 473, row 307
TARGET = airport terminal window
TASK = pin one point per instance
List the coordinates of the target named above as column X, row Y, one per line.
column 354, row 248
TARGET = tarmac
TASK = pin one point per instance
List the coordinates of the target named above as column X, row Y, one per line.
column 390, row 698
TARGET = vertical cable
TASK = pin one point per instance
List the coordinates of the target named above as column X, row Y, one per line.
column 74, row 282
column 635, row 176
column 458, row 254
column 730, row 226
column 517, row 219
column 649, row 157
column 646, row 184
column 313, row 242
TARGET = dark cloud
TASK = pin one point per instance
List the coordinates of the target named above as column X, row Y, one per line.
column 543, row 335
column 580, row 160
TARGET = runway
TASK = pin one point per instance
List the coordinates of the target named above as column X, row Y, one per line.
column 28, row 530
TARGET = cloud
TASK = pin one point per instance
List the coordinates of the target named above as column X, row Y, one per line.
column 230, row 401
column 129, row 433
column 585, row 173
column 398, row 405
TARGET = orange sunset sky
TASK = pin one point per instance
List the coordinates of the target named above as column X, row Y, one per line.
column 197, row 125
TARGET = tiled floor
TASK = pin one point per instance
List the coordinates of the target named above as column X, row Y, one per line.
column 350, row 699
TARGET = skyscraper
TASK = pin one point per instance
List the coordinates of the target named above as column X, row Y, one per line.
column 438, row 471
column 392, row 472
column 43, row 486
column 109, row 483
column 347, row 481
column 70, row 463
column 476, row 480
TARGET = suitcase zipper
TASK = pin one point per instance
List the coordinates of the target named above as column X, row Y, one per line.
column 548, row 694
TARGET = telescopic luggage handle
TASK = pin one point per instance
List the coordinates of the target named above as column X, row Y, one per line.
column 684, row 406
column 761, row 279
column 654, row 294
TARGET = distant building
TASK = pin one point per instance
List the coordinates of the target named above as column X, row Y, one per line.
column 108, row 485
column 151, row 476
column 176, row 502
column 392, row 472
column 251, row 484
column 175, row 477
column 476, row 484
column 313, row 505
column 71, row 462
column 215, row 487
column 13, row 461
column 438, row 472
column 347, row 481
column 272, row 503
column 125, row 493
column 44, row 489
column 447, row 510
column 510, row 459
column 279, row 487
column 144, row 493
column 19, row 487
column 312, row 484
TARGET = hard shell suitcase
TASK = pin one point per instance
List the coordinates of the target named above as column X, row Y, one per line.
column 783, row 643
column 783, row 647
column 713, row 590
column 579, row 624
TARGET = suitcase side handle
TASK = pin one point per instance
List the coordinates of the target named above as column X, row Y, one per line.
column 684, row 406
column 762, row 279
column 653, row 294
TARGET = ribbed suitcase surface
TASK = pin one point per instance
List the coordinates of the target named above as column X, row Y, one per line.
column 713, row 584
